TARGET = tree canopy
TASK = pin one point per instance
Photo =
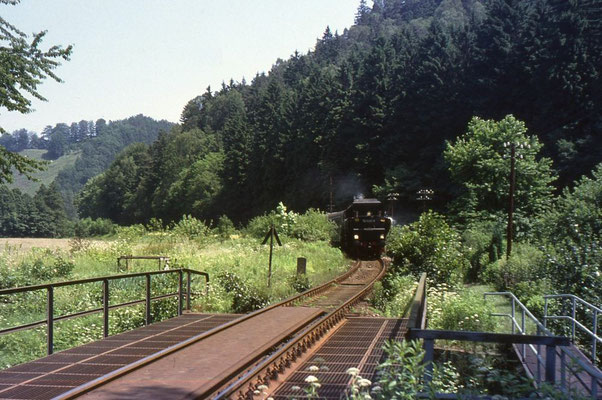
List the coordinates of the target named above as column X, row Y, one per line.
column 23, row 66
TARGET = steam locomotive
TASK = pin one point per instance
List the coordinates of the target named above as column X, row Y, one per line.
column 363, row 228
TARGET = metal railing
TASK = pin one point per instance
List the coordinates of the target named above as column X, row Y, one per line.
column 429, row 336
column 106, row 307
column 416, row 313
column 593, row 333
column 571, row 370
column 163, row 261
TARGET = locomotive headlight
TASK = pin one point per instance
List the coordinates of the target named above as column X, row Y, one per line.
column 382, row 236
column 356, row 237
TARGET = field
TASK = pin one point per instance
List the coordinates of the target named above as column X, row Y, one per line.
column 238, row 281
column 24, row 245
column 44, row 177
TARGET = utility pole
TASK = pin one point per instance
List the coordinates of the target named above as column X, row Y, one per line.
column 513, row 157
column 511, row 200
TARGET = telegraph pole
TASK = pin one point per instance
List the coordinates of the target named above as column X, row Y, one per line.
column 511, row 200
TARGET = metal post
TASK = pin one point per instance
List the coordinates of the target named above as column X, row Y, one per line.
column 511, row 201
column 551, row 364
column 188, row 290
column 429, row 349
column 271, row 249
column 573, row 322
column 523, row 331
column 50, row 320
column 562, row 370
column 594, row 339
column 513, row 317
column 538, row 379
column 545, row 312
column 180, row 291
column 148, row 319
column 105, row 307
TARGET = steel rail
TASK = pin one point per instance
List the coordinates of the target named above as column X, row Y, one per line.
column 244, row 387
column 102, row 380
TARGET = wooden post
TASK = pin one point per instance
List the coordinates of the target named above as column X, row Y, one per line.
column 301, row 266
column 271, row 250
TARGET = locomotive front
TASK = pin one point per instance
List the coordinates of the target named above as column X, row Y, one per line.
column 365, row 229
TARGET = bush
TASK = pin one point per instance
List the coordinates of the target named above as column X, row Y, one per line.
column 282, row 220
column 464, row 310
column 299, row 283
column 313, row 226
column 482, row 245
column 245, row 298
column 88, row 227
column 225, row 227
column 393, row 295
column 526, row 264
column 190, row 228
column 429, row 245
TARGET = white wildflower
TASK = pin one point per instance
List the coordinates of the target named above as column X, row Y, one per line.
column 313, row 368
column 364, row 382
column 311, row 379
column 353, row 371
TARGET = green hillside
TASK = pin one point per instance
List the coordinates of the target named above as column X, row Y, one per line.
column 44, row 177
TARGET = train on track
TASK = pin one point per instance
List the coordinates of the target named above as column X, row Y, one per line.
column 364, row 227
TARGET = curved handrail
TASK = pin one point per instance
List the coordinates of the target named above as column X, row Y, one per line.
column 591, row 370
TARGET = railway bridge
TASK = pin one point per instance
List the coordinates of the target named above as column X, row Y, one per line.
column 271, row 352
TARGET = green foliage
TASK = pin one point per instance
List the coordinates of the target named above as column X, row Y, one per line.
column 393, row 296
column 300, row 283
column 429, row 245
column 46, row 176
column 482, row 245
column 456, row 309
column 245, row 298
column 41, row 267
column 524, row 269
column 190, row 228
column 225, row 227
column 88, row 227
column 478, row 162
column 400, row 375
column 313, row 226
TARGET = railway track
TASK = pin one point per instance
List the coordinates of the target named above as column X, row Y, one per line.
column 338, row 298
column 231, row 360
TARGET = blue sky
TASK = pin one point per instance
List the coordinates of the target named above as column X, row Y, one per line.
column 152, row 56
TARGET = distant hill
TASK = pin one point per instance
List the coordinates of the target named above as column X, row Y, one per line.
column 43, row 177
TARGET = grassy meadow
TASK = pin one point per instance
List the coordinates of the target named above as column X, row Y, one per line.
column 46, row 176
column 237, row 266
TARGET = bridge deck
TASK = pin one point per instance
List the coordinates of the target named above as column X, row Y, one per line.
column 60, row 372
column 357, row 343
column 195, row 370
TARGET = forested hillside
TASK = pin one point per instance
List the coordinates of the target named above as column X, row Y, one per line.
column 95, row 146
column 372, row 108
